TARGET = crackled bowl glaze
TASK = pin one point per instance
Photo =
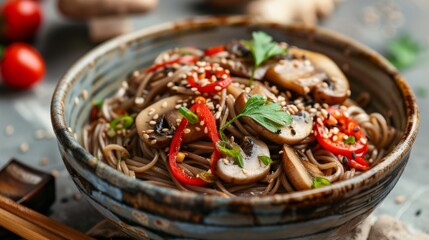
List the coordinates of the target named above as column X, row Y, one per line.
column 146, row 211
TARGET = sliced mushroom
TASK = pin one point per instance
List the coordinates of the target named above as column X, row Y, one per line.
column 258, row 88
column 299, row 172
column 156, row 123
column 307, row 72
column 301, row 126
column 253, row 169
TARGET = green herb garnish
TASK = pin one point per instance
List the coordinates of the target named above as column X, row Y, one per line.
column 320, row 182
column 265, row 160
column 120, row 123
column 403, row 51
column 350, row 140
column 269, row 114
column 228, row 149
column 262, row 48
column 206, row 177
column 189, row 115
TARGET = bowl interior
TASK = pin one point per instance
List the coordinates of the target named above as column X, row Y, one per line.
column 101, row 71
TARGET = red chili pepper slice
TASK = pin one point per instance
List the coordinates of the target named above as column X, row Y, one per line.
column 358, row 163
column 184, row 59
column 214, row 50
column 212, row 79
column 335, row 142
column 204, row 114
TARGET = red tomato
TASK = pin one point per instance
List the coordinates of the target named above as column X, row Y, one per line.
column 22, row 66
column 22, row 19
column 337, row 143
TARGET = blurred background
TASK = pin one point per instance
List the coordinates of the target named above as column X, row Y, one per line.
column 67, row 29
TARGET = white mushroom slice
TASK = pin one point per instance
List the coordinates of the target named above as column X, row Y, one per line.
column 311, row 72
column 301, row 126
column 253, row 169
column 295, row 170
column 156, row 123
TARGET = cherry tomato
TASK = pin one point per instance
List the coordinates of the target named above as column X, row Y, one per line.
column 214, row 50
column 22, row 19
column 212, row 79
column 347, row 140
column 21, row 66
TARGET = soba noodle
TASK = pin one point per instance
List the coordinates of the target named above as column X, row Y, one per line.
column 125, row 150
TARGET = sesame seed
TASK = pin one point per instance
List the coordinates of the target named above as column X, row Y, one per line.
column 55, row 173
column 244, row 171
column 187, row 130
column 164, row 104
column 197, row 129
column 43, row 161
column 139, row 100
column 169, row 74
column 76, row 101
column 8, row 130
column 335, row 138
column 202, row 123
column 84, row 94
column 156, row 116
column 146, row 136
column 194, row 89
column 225, row 161
column 281, row 152
column 306, row 90
column 324, row 113
column 151, row 111
column 206, row 130
column 153, row 141
column 363, row 140
column 335, row 130
column 165, row 130
column 170, row 84
column 152, row 122
column 177, row 106
column 23, row 147
column 150, row 131
column 218, row 88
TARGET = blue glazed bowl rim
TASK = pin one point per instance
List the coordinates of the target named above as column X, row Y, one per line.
column 67, row 141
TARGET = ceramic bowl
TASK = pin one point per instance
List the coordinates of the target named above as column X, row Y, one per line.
column 146, row 211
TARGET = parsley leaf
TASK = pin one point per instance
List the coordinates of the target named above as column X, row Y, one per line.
column 350, row 140
column 265, row 160
column 270, row 115
column 403, row 51
column 320, row 182
column 262, row 48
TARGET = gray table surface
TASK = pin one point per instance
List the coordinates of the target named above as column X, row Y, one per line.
column 62, row 42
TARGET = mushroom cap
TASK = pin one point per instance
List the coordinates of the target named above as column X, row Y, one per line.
column 167, row 117
column 307, row 73
column 301, row 126
column 253, row 169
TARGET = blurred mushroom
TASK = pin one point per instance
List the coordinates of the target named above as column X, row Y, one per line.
column 156, row 123
column 253, row 169
column 107, row 18
column 307, row 72
column 299, row 172
column 300, row 128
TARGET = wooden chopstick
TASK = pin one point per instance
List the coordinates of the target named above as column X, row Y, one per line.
column 12, row 215
column 24, row 228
